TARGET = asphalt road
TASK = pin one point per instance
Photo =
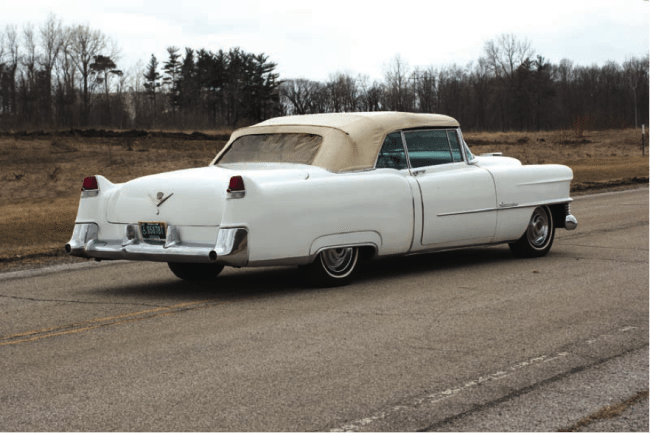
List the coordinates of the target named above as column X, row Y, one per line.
column 413, row 343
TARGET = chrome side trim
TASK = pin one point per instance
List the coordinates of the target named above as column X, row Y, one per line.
column 461, row 247
column 544, row 182
column 546, row 202
column 468, row 211
column 506, row 206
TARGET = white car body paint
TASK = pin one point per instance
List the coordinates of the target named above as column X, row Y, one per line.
column 291, row 212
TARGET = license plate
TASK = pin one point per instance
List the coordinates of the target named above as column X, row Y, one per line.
column 153, row 230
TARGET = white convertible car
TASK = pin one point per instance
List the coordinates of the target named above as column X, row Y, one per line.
column 322, row 192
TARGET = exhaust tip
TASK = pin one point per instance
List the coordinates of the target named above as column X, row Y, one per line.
column 68, row 248
column 212, row 256
column 570, row 223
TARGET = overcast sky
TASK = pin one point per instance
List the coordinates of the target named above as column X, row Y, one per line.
column 309, row 39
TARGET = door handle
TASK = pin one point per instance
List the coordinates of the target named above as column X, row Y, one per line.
column 417, row 172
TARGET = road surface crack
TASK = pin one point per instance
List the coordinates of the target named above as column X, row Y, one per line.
column 608, row 412
column 24, row 298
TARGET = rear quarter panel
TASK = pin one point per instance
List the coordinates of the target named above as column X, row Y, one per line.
column 290, row 219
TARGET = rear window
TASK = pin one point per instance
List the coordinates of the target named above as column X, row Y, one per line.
column 292, row 148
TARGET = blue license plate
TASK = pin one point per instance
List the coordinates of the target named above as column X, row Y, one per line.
column 153, row 231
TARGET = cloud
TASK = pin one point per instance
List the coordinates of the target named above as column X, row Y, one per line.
column 316, row 39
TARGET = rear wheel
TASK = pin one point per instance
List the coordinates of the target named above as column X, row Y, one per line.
column 538, row 238
column 195, row 271
column 332, row 267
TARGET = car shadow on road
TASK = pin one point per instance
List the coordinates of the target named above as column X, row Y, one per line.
column 430, row 262
column 234, row 284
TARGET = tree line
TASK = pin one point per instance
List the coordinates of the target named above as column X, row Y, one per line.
column 508, row 88
column 59, row 77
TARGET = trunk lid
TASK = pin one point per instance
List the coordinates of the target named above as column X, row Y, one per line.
column 193, row 197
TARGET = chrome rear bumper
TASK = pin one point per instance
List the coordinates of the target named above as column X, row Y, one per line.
column 230, row 249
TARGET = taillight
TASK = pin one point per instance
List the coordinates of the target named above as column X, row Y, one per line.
column 90, row 184
column 236, row 188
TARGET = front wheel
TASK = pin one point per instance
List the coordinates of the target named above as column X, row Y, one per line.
column 332, row 267
column 538, row 238
column 195, row 271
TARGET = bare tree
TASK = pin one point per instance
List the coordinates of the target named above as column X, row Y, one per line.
column 3, row 91
column 137, row 104
column 300, row 95
column 452, row 90
column 480, row 83
column 11, row 68
column 28, row 78
column 51, row 41
column 397, row 94
column 65, row 81
column 504, row 56
column 506, row 53
column 343, row 92
column 635, row 73
column 425, row 84
column 85, row 45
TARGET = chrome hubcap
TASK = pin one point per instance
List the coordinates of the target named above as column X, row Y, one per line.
column 539, row 227
column 338, row 261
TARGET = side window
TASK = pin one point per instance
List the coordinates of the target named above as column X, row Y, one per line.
column 428, row 148
column 455, row 146
column 391, row 154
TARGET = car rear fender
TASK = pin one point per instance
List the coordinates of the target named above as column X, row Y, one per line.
column 296, row 218
column 92, row 208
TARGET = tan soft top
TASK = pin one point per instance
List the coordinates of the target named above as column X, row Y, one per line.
column 351, row 141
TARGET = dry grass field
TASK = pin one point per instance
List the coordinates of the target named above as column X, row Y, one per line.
column 40, row 177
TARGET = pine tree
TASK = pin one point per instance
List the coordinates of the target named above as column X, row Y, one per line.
column 152, row 77
column 172, row 68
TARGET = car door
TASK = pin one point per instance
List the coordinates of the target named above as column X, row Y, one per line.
column 458, row 199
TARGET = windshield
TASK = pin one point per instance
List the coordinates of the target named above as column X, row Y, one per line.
column 292, row 148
